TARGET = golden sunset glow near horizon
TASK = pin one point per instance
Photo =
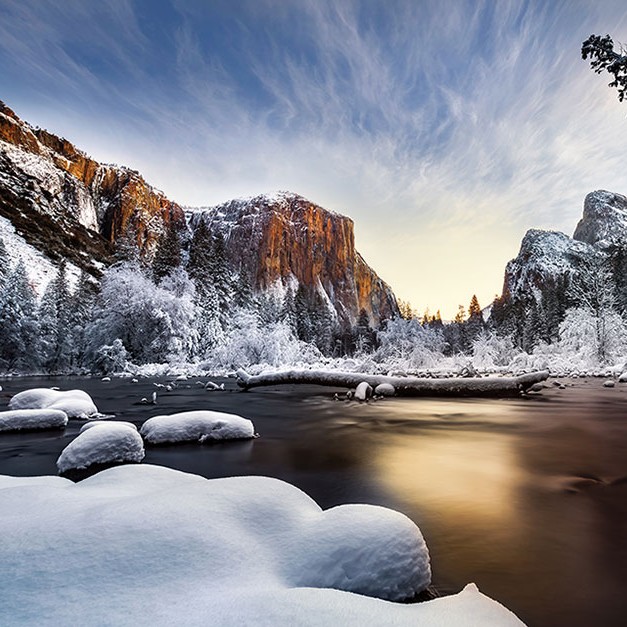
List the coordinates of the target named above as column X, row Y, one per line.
column 444, row 130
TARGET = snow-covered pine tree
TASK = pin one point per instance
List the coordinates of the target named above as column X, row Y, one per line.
column 201, row 270
column 168, row 253
column 5, row 262
column 81, row 307
column 19, row 328
column 594, row 295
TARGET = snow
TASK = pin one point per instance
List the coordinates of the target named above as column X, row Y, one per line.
column 45, row 174
column 39, row 268
column 75, row 403
column 363, row 391
column 196, row 426
column 385, row 389
column 97, row 423
column 110, row 443
column 141, row 544
column 26, row 419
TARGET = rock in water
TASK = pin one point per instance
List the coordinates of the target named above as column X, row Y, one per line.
column 385, row 389
column 363, row 391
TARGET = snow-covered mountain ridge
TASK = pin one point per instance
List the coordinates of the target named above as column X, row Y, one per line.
column 69, row 207
column 540, row 280
column 548, row 256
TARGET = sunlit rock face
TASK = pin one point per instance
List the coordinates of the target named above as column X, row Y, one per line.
column 284, row 239
column 70, row 206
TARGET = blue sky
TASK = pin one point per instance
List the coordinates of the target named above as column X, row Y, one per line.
column 444, row 128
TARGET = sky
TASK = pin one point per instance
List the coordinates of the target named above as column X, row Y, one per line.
column 444, row 128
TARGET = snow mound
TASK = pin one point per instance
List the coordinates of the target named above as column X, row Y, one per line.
column 385, row 389
column 193, row 426
column 363, row 391
column 149, row 545
column 97, row 423
column 109, row 443
column 75, row 403
column 26, row 419
column 350, row 548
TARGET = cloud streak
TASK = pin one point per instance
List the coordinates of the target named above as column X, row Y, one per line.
column 444, row 130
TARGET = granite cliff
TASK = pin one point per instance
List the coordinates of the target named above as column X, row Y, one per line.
column 288, row 240
column 70, row 207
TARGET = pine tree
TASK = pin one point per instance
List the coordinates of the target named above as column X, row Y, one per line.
column 474, row 324
column 168, row 253
column 288, row 309
column 5, row 262
column 19, row 329
column 81, row 308
column 405, row 309
column 126, row 248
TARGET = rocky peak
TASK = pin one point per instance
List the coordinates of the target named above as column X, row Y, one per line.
column 604, row 221
column 543, row 257
column 283, row 236
column 46, row 183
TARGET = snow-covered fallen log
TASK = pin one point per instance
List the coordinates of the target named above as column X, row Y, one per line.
column 404, row 386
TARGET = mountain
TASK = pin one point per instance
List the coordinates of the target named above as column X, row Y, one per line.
column 69, row 207
column 286, row 240
column 538, row 280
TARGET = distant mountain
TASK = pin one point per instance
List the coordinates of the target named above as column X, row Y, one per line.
column 70, row 207
column 537, row 281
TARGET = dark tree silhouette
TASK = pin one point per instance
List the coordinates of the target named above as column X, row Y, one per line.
column 603, row 57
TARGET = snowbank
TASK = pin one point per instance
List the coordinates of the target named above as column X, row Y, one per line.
column 75, row 403
column 26, row 419
column 109, row 443
column 196, row 426
column 148, row 545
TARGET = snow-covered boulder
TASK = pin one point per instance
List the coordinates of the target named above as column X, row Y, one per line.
column 357, row 560
column 97, row 423
column 622, row 377
column 147, row 545
column 75, row 403
column 363, row 391
column 385, row 389
column 28, row 419
column 109, row 443
column 196, row 426
column 609, row 383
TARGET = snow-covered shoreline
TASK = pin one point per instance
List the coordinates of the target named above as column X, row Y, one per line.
column 145, row 544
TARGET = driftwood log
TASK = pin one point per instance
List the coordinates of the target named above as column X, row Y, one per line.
column 404, row 386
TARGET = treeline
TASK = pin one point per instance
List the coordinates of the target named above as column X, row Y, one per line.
column 188, row 304
column 191, row 305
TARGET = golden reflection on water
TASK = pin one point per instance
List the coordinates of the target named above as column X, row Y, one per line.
column 465, row 473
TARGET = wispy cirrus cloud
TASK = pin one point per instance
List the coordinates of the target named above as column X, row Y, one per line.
column 445, row 130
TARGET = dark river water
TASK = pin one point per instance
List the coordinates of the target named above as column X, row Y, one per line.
column 525, row 497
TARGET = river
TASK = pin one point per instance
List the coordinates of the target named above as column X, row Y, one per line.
column 526, row 497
